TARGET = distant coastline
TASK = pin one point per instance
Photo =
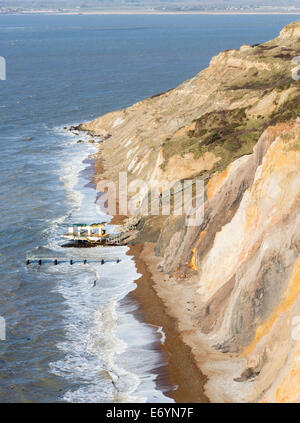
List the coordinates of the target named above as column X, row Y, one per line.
column 149, row 12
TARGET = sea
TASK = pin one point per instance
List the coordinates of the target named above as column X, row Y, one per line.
column 67, row 338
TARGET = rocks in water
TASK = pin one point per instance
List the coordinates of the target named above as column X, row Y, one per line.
column 80, row 141
column 75, row 128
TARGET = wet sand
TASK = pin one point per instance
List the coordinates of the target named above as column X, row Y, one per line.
column 183, row 371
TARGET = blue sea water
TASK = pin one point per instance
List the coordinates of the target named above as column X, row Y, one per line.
column 65, row 339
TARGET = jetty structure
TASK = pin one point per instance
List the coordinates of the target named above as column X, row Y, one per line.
column 80, row 235
column 83, row 234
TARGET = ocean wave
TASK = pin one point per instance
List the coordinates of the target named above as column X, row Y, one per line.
column 98, row 333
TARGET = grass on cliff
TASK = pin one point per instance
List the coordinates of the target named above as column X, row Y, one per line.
column 228, row 134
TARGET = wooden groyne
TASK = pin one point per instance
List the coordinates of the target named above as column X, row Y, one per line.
column 70, row 259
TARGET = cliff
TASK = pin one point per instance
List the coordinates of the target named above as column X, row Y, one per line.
column 233, row 282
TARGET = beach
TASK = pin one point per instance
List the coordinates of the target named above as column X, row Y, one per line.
column 183, row 371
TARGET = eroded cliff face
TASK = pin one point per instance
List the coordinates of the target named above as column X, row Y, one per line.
column 246, row 274
column 233, row 283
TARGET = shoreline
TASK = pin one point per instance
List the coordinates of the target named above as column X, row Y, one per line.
column 162, row 372
column 162, row 379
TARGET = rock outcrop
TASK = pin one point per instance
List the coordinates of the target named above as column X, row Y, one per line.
column 233, row 281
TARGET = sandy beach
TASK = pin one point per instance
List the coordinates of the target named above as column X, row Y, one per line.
column 183, row 371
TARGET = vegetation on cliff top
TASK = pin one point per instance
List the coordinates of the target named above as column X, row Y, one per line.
column 233, row 132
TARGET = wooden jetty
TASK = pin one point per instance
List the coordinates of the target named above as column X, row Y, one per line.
column 80, row 235
column 90, row 235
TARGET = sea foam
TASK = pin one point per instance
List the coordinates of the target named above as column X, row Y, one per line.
column 108, row 353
